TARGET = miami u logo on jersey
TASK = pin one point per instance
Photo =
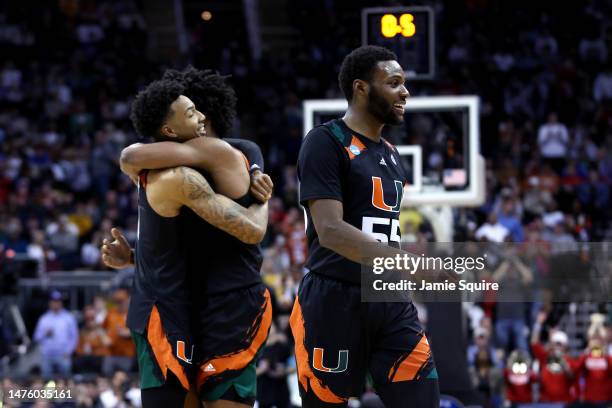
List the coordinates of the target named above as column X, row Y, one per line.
column 180, row 352
column 317, row 361
column 378, row 195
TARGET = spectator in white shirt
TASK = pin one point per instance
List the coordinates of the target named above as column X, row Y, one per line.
column 492, row 230
column 553, row 141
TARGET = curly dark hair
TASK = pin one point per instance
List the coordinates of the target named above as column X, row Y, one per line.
column 359, row 64
column 151, row 106
column 211, row 95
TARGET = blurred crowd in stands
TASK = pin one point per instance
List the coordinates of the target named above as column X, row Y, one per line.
column 546, row 134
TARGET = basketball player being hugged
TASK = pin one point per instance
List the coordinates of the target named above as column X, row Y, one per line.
column 231, row 306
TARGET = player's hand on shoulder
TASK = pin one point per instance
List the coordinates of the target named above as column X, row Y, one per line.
column 116, row 254
column 261, row 186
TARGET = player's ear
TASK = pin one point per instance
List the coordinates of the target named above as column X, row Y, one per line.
column 168, row 131
column 360, row 87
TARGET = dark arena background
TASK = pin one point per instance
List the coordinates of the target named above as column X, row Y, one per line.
column 508, row 138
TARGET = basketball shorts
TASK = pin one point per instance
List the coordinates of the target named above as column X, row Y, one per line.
column 231, row 329
column 160, row 353
column 340, row 340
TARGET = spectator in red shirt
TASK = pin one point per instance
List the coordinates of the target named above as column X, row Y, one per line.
column 556, row 377
column 519, row 378
column 594, row 366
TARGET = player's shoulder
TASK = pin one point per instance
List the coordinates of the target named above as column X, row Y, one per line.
column 213, row 144
column 225, row 152
column 328, row 133
column 318, row 131
column 169, row 176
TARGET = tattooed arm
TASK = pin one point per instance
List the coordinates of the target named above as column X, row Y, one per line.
column 168, row 190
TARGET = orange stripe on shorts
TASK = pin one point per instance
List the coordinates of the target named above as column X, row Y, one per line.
column 410, row 366
column 162, row 349
column 239, row 360
column 305, row 375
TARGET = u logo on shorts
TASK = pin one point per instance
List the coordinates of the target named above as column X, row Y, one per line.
column 180, row 352
column 317, row 361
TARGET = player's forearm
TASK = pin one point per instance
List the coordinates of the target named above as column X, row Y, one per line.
column 159, row 155
column 230, row 217
column 259, row 216
column 218, row 210
column 353, row 244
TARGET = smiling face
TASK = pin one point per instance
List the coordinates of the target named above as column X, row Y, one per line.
column 387, row 93
column 184, row 122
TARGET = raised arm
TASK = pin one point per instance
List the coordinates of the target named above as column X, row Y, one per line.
column 501, row 270
column 526, row 274
column 537, row 327
column 185, row 186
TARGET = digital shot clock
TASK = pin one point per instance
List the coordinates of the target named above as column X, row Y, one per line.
column 407, row 31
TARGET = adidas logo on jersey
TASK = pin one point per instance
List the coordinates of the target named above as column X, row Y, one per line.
column 209, row 368
column 382, row 161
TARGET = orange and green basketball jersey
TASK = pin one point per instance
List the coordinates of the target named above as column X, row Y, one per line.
column 367, row 177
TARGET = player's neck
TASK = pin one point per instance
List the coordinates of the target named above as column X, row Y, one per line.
column 363, row 123
column 210, row 131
